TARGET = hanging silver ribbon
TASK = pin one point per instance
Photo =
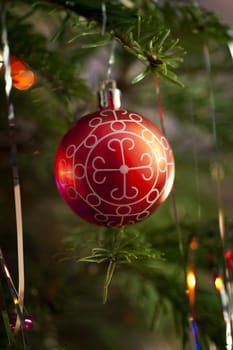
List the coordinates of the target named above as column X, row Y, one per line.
column 16, row 182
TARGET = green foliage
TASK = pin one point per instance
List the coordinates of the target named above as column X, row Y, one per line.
column 158, row 56
column 145, row 34
column 122, row 248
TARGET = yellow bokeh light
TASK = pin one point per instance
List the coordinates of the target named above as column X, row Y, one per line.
column 218, row 283
column 15, row 300
column 191, row 280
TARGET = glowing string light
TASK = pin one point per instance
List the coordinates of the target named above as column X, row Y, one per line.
column 191, row 280
column 218, row 282
column 191, row 287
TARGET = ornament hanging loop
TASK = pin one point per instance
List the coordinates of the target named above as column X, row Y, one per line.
column 109, row 95
column 111, row 59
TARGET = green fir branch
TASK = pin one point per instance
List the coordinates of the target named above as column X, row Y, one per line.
column 161, row 53
column 121, row 248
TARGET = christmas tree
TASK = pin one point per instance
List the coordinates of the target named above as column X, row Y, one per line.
column 164, row 282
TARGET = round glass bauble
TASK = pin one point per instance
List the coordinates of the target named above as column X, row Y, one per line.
column 114, row 168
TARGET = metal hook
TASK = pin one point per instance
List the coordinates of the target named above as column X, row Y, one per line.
column 111, row 60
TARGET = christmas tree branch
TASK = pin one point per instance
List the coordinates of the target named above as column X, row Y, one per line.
column 144, row 38
column 145, row 33
column 121, row 248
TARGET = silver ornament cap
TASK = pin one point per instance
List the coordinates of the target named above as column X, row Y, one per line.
column 109, row 95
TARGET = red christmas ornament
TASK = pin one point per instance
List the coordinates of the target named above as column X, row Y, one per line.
column 114, row 167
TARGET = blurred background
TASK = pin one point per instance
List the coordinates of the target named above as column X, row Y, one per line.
column 147, row 306
column 223, row 9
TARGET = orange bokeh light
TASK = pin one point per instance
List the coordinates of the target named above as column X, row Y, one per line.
column 22, row 77
column 23, row 80
column 194, row 243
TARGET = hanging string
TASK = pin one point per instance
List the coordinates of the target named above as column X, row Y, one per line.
column 196, row 163
column 16, row 182
column 193, row 246
column 217, row 166
column 227, row 311
column 160, row 106
column 175, row 209
column 111, row 60
column 190, row 277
